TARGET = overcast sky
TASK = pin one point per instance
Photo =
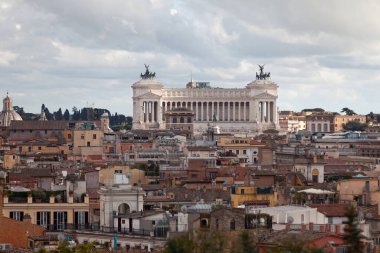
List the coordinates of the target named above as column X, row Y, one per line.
column 88, row 53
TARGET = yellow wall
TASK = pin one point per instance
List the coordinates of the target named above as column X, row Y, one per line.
column 106, row 175
column 339, row 120
column 250, row 195
column 33, row 208
column 350, row 188
column 10, row 161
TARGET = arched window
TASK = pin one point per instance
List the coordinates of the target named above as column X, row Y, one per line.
column 174, row 119
column 123, row 209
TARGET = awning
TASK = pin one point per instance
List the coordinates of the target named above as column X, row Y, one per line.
column 19, row 189
column 316, row 191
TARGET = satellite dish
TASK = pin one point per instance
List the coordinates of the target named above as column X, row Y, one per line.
column 290, row 219
column 61, row 237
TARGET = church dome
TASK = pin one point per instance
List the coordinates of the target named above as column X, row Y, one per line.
column 8, row 114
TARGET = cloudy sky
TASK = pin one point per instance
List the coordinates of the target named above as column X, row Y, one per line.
column 88, row 53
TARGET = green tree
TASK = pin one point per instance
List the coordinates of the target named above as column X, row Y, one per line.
column 210, row 242
column 58, row 114
column 40, row 250
column 63, row 247
column 348, row 111
column 66, row 115
column 181, row 244
column 86, row 248
column 354, row 126
column 352, row 235
column 313, row 110
column 244, row 244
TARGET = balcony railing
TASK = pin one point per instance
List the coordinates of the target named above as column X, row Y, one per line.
column 160, row 232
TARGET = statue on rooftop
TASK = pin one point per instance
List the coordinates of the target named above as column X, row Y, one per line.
column 147, row 74
column 262, row 75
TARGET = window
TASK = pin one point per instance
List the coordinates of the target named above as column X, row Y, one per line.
column 242, row 191
column 43, row 219
column 122, row 221
column 69, row 136
column 188, row 119
column 94, row 136
column 16, row 215
column 82, row 137
column 81, row 219
column 212, row 175
column 39, row 148
column 30, row 149
column 45, row 131
column 174, row 119
column 88, row 144
column 181, row 120
column 237, row 151
column 244, row 152
column 60, row 220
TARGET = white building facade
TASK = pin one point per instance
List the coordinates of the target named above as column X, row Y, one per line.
column 249, row 109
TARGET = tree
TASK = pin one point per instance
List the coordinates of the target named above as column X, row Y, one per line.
column 58, row 114
column 244, row 244
column 352, row 235
column 66, row 115
column 181, row 244
column 48, row 115
column 210, row 242
column 354, row 126
column 313, row 110
column 86, row 248
column 63, row 247
column 348, row 111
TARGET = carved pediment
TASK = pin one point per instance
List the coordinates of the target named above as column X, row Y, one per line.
column 149, row 95
column 265, row 95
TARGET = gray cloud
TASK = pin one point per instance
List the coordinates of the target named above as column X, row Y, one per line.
column 66, row 53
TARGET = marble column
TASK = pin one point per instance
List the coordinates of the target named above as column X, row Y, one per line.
column 244, row 111
column 202, row 111
column 233, row 111
column 229, row 111
column 223, row 111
